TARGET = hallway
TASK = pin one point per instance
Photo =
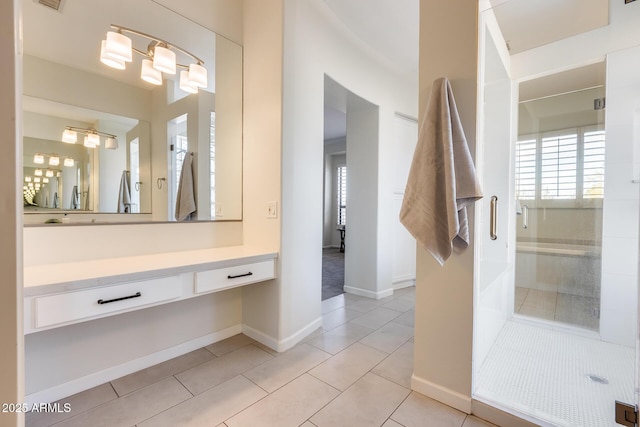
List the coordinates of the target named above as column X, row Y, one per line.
column 354, row 371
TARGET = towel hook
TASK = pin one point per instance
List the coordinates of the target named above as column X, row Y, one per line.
column 138, row 186
column 159, row 182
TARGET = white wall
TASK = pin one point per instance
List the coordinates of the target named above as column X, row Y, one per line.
column 11, row 324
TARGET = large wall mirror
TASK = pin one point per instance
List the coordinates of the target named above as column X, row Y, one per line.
column 102, row 144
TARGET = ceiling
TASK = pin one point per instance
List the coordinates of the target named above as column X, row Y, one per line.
column 391, row 29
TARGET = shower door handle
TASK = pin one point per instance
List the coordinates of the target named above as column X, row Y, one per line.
column 525, row 217
column 493, row 220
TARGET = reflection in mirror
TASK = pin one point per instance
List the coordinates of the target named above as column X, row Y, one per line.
column 70, row 87
column 87, row 178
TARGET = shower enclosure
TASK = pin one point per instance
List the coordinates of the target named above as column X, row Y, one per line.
column 556, row 278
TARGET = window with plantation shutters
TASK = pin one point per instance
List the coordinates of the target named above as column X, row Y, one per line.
column 526, row 169
column 593, row 169
column 558, row 171
column 342, row 194
column 562, row 167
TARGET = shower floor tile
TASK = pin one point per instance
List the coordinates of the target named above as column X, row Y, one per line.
column 543, row 372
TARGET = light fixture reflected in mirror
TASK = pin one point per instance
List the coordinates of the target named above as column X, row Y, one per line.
column 185, row 84
column 111, row 143
column 91, row 138
column 49, row 173
column 69, row 136
column 69, row 162
column 160, row 57
column 150, row 74
column 36, row 179
column 54, row 160
column 38, row 159
column 38, row 172
column 45, row 180
column 27, row 179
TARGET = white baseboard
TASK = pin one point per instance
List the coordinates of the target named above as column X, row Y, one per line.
column 441, row 394
column 285, row 344
column 367, row 293
column 403, row 282
column 294, row 339
column 84, row 383
column 261, row 337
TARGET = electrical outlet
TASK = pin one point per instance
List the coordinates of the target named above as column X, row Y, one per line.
column 272, row 209
column 219, row 211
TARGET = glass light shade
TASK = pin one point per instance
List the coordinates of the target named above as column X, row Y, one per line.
column 36, row 179
column 30, row 185
column 37, row 187
column 88, row 143
column 118, row 64
column 186, row 84
column 49, row 173
column 150, row 74
column 92, row 140
column 54, row 161
column 38, row 159
column 38, row 172
column 27, row 179
column 198, row 75
column 118, row 46
column 69, row 136
column 164, row 60
column 68, row 162
column 111, row 143
column 45, row 180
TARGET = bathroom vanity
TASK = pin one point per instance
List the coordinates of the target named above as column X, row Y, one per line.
column 62, row 294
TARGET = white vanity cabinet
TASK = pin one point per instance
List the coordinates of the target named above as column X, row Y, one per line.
column 63, row 294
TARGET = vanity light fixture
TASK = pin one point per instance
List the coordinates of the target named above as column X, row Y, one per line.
column 54, row 160
column 69, row 162
column 37, row 172
column 159, row 57
column 36, row 180
column 45, row 180
column 91, row 137
column 38, row 159
column 111, row 143
column 27, row 179
column 49, row 173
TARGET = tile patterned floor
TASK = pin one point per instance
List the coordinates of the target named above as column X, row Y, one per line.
column 549, row 305
column 354, row 371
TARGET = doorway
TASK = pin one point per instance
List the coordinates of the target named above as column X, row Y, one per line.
column 335, row 191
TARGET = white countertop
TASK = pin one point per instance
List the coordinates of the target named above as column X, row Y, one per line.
column 53, row 278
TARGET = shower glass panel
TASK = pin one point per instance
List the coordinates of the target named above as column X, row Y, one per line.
column 556, row 293
column 559, row 176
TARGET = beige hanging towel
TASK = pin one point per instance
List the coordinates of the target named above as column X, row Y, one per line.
column 442, row 180
column 185, row 199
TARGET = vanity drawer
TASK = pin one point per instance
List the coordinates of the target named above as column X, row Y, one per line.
column 231, row 277
column 97, row 302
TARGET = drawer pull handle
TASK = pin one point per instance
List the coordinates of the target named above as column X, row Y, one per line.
column 240, row 275
column 136, row 295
